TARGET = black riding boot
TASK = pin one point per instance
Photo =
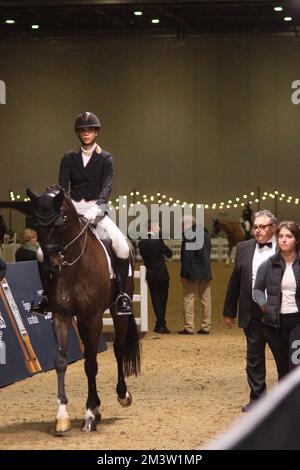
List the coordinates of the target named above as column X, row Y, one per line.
column 41, row 306
column 123, row 301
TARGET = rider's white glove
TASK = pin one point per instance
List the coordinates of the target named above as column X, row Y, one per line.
column 92, row 213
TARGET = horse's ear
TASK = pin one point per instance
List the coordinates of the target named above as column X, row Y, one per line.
column 32, row 196
column 58, row 199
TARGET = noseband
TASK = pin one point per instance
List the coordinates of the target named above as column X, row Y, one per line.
column 60, row 220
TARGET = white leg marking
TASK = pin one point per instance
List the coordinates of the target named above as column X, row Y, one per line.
column 62, row 411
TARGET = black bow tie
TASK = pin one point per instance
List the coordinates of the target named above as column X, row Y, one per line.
column 268, row 244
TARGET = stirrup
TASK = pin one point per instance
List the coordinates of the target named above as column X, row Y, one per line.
column 124, row 296
column 40, row 308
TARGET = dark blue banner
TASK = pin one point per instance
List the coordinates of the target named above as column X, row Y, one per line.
column 28, row 339
column 12, row 360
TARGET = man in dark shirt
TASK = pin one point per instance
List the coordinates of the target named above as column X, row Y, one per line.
column 154, row 251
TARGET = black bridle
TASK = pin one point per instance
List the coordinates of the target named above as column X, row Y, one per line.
column 60, row 220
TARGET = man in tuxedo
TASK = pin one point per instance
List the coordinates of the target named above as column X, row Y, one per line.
column 239, row 297
column 154, row 251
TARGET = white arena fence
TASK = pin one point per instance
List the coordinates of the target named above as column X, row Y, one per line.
column 142, row 298
column 219, row 249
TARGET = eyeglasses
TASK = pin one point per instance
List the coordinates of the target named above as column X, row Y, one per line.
column 260, row 227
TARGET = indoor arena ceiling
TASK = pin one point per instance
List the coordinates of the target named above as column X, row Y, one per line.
column 115, row 18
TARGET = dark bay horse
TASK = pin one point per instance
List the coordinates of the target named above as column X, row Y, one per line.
column 76, row 279
column 233, row 230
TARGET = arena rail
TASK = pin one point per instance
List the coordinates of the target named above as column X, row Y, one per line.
column 142, row 297
column 219, row 249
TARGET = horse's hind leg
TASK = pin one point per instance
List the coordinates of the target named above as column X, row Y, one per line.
column 120, row 324
column 60, row 328
column 90, row 336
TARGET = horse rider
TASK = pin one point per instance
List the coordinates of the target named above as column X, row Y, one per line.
column 88, row 174
column 247, row 219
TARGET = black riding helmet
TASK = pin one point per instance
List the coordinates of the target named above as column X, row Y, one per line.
column 86, row 119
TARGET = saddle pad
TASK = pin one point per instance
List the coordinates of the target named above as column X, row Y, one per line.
column 112, row 273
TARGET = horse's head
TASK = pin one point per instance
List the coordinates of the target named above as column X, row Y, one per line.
column 51, row 222
column 216, row 227
column 47, row 207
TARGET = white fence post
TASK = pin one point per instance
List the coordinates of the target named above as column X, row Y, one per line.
column 142, row 297
column 219, row 249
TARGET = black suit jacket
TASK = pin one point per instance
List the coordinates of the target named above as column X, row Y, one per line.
column 92, row 182
column 153, row 252
column 195, row 264
column 239, row 291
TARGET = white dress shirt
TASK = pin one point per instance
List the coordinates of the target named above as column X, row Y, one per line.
column 260, row 255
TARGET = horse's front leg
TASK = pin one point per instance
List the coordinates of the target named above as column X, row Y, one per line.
column 90, row 334
column 61, row 327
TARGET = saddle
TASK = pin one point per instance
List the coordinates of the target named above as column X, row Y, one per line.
column 106, row 243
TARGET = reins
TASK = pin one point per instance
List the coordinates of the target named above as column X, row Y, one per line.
column 61, row 253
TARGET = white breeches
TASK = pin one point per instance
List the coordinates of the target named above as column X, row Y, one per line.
column 119, row 242
column 117, row 237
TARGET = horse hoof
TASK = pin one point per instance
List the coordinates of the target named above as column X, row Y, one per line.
column 125, row 401
column 90, row 424
column 62, row 425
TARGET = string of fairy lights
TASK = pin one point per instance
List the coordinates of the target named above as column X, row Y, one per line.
column 136, row 197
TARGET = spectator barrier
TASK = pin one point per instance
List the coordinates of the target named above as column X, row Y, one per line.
column 27, row 344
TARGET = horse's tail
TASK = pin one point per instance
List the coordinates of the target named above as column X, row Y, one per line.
column 132, row 357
